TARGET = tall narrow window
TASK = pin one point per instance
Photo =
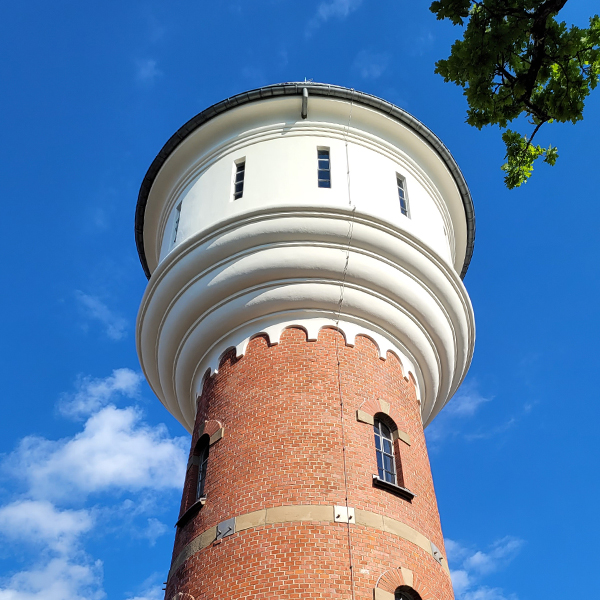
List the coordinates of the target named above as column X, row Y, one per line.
column 324, row 168
column 384, row 447
column 202, row 464
column 176, row 224
column 402, row 195
column 238, row 183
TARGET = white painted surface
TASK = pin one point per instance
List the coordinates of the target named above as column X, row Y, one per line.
column 277, row 255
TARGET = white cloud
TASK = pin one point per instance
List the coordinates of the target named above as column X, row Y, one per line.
column 486, row 593
column 116, row 451
column 147, row 71
column 337, row 8
column 331, row 8
column 58, row 579
column 465, row 404
column 154, row 530
column 149, row 589
column 39, row 522
column 154, row 593
column 466, row 401
column 460, row 581
column 115, row 326
column 371, row 65
column 92, row 394
column 476, row 564
column 500, row 554
column 455, row 550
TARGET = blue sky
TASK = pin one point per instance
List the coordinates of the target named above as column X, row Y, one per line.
column 90, row 92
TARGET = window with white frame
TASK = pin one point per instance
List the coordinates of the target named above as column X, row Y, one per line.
column 384, row 447
column 324, row 168
column 238, row 181
column 402, row 197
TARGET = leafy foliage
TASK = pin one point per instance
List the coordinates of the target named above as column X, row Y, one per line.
column 516, row 59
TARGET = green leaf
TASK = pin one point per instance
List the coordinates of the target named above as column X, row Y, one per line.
column 515, row 59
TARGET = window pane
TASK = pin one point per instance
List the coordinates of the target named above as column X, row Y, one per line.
column 323, row 169
column 379, row 460
column 390, row 477
column 387, row 463
column 377, row 442
column 238, row 188
column 402, row 196
column 203, row 460
column 387, row 446
column 385, row 431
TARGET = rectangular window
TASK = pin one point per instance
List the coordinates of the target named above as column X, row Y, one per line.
column 324, row 171
column 402, row 195
column 176, row 224
column 238, row 182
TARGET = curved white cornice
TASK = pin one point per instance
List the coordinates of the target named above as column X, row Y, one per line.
column 272, row 269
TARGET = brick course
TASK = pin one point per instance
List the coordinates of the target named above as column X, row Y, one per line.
column 280, row 407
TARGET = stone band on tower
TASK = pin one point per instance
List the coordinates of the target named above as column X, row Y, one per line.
column 305, row 318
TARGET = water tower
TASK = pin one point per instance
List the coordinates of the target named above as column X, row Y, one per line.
column 305, row 319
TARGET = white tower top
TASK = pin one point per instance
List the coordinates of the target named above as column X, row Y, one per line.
column 311, row 205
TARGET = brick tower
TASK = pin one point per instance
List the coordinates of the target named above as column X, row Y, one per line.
column 305, row 319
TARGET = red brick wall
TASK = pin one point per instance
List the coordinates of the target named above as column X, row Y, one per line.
column 280, row 406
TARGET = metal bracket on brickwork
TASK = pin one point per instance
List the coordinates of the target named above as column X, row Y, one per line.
column 343, row 514
column 435, row 551
column 225, row 528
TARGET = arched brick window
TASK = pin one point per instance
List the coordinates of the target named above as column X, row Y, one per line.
column 404, row 592
column 388, row 454
column 202, row 453
column 384, row 448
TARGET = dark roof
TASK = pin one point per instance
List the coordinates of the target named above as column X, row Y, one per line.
column 295, row 89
